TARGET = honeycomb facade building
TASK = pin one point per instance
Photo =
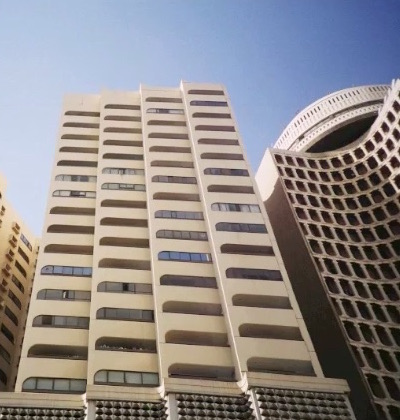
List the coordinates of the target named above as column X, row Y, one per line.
column 18, row 254
column 331, row 188
column 160, row 291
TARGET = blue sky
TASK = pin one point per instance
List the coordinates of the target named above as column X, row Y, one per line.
column 274, row 56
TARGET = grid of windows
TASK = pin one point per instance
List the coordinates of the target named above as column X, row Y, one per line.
column 188, row 281
column 63, row 270
column 57, row 294
column 121, row 314
column 120, row 287
column 165, row 111
column 175, row 179
column 241, row 227
column 129, row 187
column 57, row 385
column 126, row 378
column 226, row 172
column 71, row 193
column 169, row 214
column 123, row 171
column 253, row 274
column 182, row 234
column 185, row 256
column 209, row 103
column 59, row 321
column 245, row 208
column 76, row 178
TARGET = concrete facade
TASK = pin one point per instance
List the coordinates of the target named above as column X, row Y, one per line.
column 160, row 290
column 18, row 254
column 331, row 189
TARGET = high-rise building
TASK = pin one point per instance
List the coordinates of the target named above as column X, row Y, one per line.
column 331, row 188
column 18, row 253
column 160, row 291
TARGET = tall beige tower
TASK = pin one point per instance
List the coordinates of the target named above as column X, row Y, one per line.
column 160, row 290
column 331, row 187
column 18, row 254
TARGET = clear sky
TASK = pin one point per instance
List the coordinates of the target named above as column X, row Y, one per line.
column 274, row 56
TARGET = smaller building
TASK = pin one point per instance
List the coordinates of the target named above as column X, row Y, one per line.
column 18, row 254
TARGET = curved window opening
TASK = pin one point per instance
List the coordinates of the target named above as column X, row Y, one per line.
column 245, row 208
column 175, row 179
column 19, row 285
column 79, row 150
column 225, row 128
column 76, row 178
column 276, row 332
column 75, row 194
column 123, row 314
column 128, row 204
column 81, row 163
column 219, row 142
column 176, row 196
column 123, row 130
column 83, row 137
column 120, row 287
column 83, row 113
column 197, row 338
column 192, row 308
column 123, row 106
column 11, row 316
column 81, row 125
column 124, row 264
column 280, row 366
column 125, row 187
column 222, row 156
column 57, row 385
column 5, row 354
column 197, row 257
column 126, row 344
column 58, row 352
column 226, row 172
column 59, row 321
column 209, row 103
column 58, row 294
column 247, row 249
column 230, row 189
column 21, row 269
column 172, row 164
column 241, row 227
column 170, row 149
column 165, row 111
column 3, row 377
column 253, row 274
column 163, row 99
column 122, row 156
column 124, row 143
column 188, row 281
column 206, row 92
column 14, row 299
column 75, row 211
column 122, row 118
column 171, row 136
column 117, row 221
column 126, row 378
column 68, row 249
column 125, row 242
column 203, row 372
column 261, row 301
column 170, row 214
column 182, row 235
column 23, row 255
column 210, row 115
column 7, row 333
column 122, row 171
column 63, row 270
column 74, row 229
